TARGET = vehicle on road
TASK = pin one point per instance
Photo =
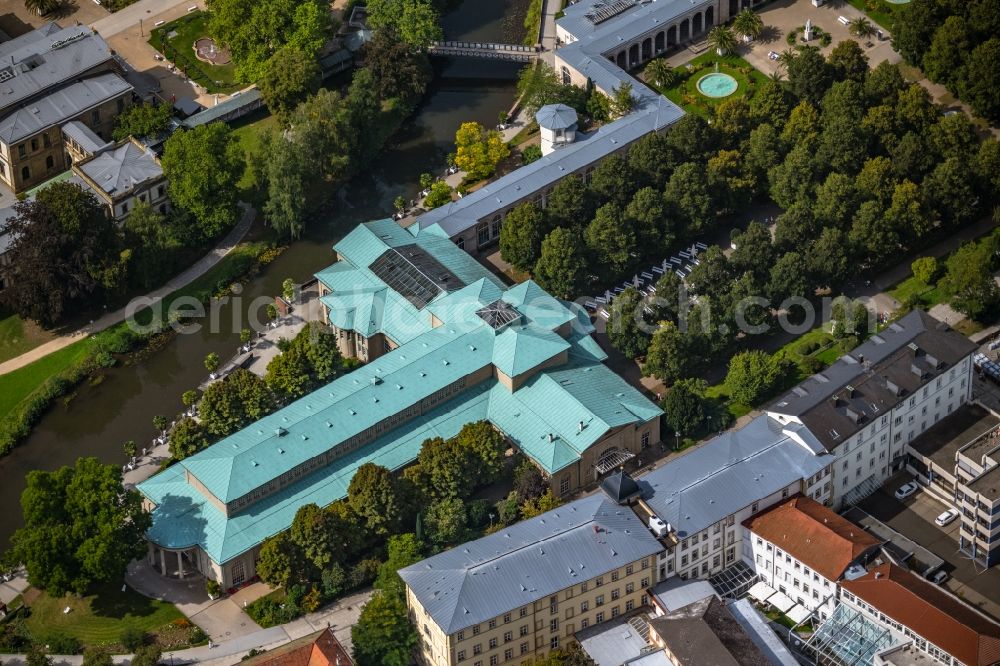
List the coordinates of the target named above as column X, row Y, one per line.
column 939, row 577
column 946, row 517
column 906, row 490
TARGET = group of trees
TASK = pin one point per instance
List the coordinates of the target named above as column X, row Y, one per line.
column 478, row 151
column 415, row 21
column 956, row 44
column 311, row 359
column 328, row 136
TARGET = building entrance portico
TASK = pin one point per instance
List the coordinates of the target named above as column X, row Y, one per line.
column 174, row 563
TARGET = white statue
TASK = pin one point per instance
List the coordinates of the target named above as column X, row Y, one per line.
column 809, row 30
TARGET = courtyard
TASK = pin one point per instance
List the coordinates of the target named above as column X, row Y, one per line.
column 206, row 64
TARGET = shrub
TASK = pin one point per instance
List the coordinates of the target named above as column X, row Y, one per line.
column 132, row 638
column 807, row 347
column 810, row 365
column 478, row 512
column 213, row 588
column 61, row 644
column 531, row 153
column 198, row 635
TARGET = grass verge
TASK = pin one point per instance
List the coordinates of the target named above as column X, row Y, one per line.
column 913, row 291
column 532, row 22
column 18, row 336
column 879, row 11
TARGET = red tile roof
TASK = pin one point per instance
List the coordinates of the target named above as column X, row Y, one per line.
column 812, row 534
column 319, row 649
column 930, row 612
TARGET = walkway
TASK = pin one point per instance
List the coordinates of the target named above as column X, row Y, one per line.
column 515, row 52
column 195, row 271
column 143, row 10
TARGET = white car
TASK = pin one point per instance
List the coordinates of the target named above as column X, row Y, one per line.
column 906, row 490
column 939, row 577
column 946, row 517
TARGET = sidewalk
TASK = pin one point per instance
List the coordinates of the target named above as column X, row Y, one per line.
column 195, row 271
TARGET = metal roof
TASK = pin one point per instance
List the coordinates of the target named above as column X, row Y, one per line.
column 47, row 57
column 624, row 25
column 120, row 170
column 528, row 561
column 556, row 116
column 85, row 137
column 731, row 472
column 60, row 105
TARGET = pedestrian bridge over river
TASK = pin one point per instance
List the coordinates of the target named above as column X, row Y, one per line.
column 514, row 52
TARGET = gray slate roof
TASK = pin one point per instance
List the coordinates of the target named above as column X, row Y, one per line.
column 527, row 561
column 556, row 116
column 47, row 57
column 59, row 106
column 85, row 137
column 872, row 369
column 731, row 472
column 121, row 169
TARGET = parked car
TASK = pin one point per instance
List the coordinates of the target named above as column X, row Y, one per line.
column 906, row 490
column 946, row 517
column 939, row 577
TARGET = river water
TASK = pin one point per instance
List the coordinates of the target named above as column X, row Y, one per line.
column 99, row 419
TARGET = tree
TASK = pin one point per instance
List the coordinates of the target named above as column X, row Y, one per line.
column 624, row 329
column 914, row 109
column 753, row 375
column 848, row 61
column 793, row 180
column 288, row 374
column 849, row 319
column 884, row 83
column 666, row 357
column 688, row 197
column 772, row 104
column 152, row 240
column 924, row 269
column 142, row 120
column 948, row 191
column 912, row 35
column 836, row 200
column 761, row 153
column 612, row 181
column 861, row 27
column 831, row 258
column 521, row 236
column 539, row 85
column 802, row 126
column 982, row 80
column 528, row 480
column 281, row 561
column 290, row 76
column 728, row 178
column 43, row 7
column 954, row 136
column 131, row 449
column 81, row 527
column 383, row 635
column 722, row 39
column 906, row 213
column 651, row 160
column 446, row 469
column 969, row 282
column 790, row 276
column 187, row 437
column 65, row 255
column 159, row 423
column 809, row 76
column 646, row 213
column 661, row 73
column 713, row 275
column 211, row 362
column 748, row 25
column 398, row 70
column 611, row 240
column 288, row 178
column 560, row 268
column 692, row 138
column 872, row 237
column 754, row 253
column 439, row 195
column 203, row 166
column 447, row 521
column 415, row 21
column 685, row 408
column 875, row 181
column 569, row 205
column 622, row 101
column 372, row 495
column 235, row 402
column 570, row 655
column 796, row 227
column 478, row 151
column 944, row 61
column 488, row 447
column 254, row 32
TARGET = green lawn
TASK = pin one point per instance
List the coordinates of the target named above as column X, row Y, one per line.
column 179, row 49
column 99, row 618
column 17, row 337
column 248, row 132
column 21, row 382
column 912, row 288
column 878, row 11
column 685, row 94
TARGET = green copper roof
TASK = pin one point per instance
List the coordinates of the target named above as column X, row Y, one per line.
column 553, row 417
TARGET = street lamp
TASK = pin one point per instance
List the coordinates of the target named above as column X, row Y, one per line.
column 677, row 433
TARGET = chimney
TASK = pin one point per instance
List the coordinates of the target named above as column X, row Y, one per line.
column 580, row 427
column 878, row 574
column 552, row 438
